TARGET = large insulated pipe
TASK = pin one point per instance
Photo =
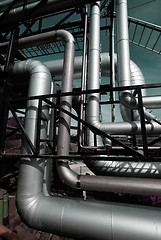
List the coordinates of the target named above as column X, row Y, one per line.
column 123, row 55
column 136, row 75
column 70, row 217
column 34, row 9
column 67, row 175
column 81, row 219
column 94, row 70
column 74, row 180
column 125, row 78
column 53, row 214
column 123, row 58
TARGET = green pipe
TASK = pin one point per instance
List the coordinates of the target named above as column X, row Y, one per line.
column 5, row 209
column 5, row 205
column 1, row 211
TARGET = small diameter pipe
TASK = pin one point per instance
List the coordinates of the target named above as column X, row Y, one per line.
column 84, row 58
column 5, row 212
column 1, row 210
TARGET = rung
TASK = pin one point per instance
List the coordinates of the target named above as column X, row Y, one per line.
column 151, row 28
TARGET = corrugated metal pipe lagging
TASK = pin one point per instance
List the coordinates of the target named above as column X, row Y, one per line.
column 74, row 218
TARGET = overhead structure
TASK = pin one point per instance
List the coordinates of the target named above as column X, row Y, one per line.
column 45, row 88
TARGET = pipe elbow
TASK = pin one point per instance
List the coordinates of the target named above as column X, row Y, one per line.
column 128, row 100
column 67, row 175
column 35, row 67
column 65, row 36
column 28, row 208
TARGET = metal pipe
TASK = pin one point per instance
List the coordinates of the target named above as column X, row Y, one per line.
column 65, row 126
column 126, row 97
column 94, row 71
column 75, row 218
column 50, row 135
column 112, row 67
column 51, row 6
column 51, row 214
column 125, row 169
column 6, row 3
column 123, row 56
column 83, row 78
column 67, row 175
column 128, row 74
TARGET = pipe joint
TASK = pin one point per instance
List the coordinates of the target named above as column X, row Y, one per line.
column 128, row 100
column 64, row 36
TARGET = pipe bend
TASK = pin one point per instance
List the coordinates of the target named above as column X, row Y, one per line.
column 128, row 100
column 28, row 68
column 68, row 176
column 65, row 36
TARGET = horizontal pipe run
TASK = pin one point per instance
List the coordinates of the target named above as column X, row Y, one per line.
column 76, row 218
column 148, row 101
column 38, row 9
column 124, row 168
column 140, row 186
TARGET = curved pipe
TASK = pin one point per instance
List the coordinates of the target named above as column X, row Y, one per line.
column 128, row 74
column 76, row 218
column 126, row 97
column 84, row 182
column 93, row 183
column 53, row 214
column 63, row 142
column 137, row 78
column 123, row 55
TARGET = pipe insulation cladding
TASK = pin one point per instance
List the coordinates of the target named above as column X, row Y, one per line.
column 71, row 217
column 30, row 9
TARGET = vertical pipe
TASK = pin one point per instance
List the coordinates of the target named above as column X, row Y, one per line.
column 123, row 53
column 83, row 76
column 1, row 210
column 5, row 209
column 112, row 63
column 50, row 135
column 94, row 69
